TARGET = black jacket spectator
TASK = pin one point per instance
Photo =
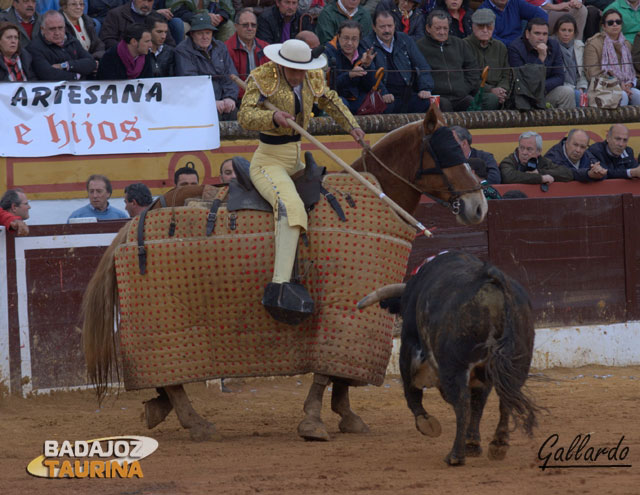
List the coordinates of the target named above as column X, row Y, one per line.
column 116, row 23
column 98, row 9
column 417, row 22
column 521, row 53
column 45, row 55
column 25, row 61
column 558, row 156
column 112, row 68
column 352, row 89
column 616, row 166
column 270, row 25
column 493, row 171
column 164, row 63
column 97, row 46
column 459, row 28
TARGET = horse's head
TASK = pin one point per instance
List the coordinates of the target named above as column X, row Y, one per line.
column 443, row 173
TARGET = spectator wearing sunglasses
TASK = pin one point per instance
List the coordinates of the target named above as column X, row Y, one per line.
column 245, row 49
column 629, row 10
column 608, row 52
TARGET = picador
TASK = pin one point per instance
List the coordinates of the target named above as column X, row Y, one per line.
column 293, row 81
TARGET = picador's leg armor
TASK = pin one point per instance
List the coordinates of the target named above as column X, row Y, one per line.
column 286, row 301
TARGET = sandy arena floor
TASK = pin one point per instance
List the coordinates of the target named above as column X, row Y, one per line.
column 261, row 453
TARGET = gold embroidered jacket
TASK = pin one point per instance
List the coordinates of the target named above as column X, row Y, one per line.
column 267, row 82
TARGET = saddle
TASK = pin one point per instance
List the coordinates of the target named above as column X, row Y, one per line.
column 243, row 195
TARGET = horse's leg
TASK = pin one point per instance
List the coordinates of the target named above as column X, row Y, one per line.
column 199, row 428
column 500, row 443
column 312, row 427
column 479, row 396
column 156, row 410
column 350, row 422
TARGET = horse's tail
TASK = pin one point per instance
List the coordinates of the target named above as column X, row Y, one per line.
column 510, row 355
column 99, row 309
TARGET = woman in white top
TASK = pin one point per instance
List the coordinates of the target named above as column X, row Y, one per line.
column 81, row 26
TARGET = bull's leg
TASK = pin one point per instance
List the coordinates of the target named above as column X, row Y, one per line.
column 199, row 428
column 479, row 396
column 156, row 410
column 312, row 427
column 350, row 422
column 425, row 424
column 500, row 443
column 455, row 391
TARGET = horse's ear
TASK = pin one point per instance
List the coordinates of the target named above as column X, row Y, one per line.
column 432, row 119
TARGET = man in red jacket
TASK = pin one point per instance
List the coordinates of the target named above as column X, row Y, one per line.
column 13, row 222
column 244, row 48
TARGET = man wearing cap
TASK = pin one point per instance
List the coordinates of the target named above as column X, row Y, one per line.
column 292, row 81
column 199, row 54
column 490, row 52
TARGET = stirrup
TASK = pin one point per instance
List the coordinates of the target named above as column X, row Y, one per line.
column 288, row 302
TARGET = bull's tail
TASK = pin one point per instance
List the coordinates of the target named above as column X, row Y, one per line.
column 99, row 310
column 510, row 355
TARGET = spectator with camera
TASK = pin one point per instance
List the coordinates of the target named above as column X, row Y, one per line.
column 456, row 75
column 352, row 68
column 526, row 165
column 572, row 152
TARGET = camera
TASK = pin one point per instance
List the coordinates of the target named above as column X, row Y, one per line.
column 532, row 164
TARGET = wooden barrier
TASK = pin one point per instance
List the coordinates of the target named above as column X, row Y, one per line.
column 577, row 256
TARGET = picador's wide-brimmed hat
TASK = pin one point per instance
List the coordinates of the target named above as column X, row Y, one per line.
column 294, row 54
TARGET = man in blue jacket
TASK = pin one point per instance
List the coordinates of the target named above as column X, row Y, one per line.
column 509, row 17
column 535, row 47
column 572, row 152
column 407, row 83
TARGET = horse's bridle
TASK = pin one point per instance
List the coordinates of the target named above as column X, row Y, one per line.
column 425, row 146
column 454, row 198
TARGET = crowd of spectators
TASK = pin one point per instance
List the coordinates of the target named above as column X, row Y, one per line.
column 429, row 50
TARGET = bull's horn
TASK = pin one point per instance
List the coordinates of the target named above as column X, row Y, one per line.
column 393, row 290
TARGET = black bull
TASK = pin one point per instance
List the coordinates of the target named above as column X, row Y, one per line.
column 467, row 327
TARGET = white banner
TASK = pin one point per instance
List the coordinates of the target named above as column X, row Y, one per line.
column 106, row 117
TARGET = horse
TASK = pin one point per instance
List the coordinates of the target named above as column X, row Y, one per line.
column 407, row 163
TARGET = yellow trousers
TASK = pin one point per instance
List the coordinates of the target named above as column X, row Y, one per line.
column 271, row 168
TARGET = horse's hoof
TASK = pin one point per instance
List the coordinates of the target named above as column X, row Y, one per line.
column 155, row 411
column 454, row 460
column 353, row 424
column 313, row 430
column 472, row 449
column 497, row 450
column 204, row 432
column 428, row 425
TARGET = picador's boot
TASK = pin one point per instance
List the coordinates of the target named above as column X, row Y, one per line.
column 286, row 301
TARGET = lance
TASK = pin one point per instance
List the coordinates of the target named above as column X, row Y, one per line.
column 345, row 166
